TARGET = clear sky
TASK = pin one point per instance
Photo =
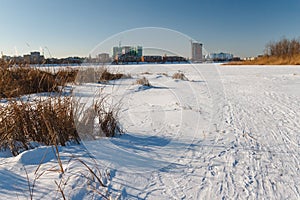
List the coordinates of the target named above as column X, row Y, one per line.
column 75, row 27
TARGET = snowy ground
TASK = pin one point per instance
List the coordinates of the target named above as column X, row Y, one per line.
column 230, row 132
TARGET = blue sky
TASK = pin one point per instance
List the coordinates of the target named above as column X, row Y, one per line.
column 75, row 27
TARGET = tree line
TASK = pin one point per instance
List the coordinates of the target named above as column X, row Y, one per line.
column 283, row 47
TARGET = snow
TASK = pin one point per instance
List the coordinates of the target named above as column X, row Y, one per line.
column 229, row 132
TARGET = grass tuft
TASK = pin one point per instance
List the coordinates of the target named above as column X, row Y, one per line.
column 179, row 76
column 143, row 81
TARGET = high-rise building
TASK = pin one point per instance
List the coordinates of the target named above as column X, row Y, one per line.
column 196, row 52
column 128, row 50
column 117, row 51
column 139, row 51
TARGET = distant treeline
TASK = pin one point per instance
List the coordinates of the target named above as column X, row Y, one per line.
column 283, row 47
column 282, row 52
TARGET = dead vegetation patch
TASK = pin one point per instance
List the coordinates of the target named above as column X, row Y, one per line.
column 16, row 81
column 99, row 75
column 143, row 81
column 180, row 76
column 48, row 122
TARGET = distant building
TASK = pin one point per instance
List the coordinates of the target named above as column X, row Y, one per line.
column 139, row 51
column 117, row 51
column 27, row 59
column 219, row 57
column 127, row 50
column 103, row 58
column 14, row 59
column 249, row 58
column 6, row 58
column 36, row 58
column 196, row 52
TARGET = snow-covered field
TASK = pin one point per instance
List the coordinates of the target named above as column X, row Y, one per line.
column 229, row 132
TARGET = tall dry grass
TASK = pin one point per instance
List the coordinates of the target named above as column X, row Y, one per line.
column 48, row 122
column 19, row 80
column 270, row 60
column 99, row 75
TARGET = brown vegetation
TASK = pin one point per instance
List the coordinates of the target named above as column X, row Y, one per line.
column 143, row 81
column 47, row 122
column 284, row 47
column 270, row 60
column 180, row 76
column 100, row 75
column 283, row 52
column 105, row 116
column 105, row 75
column 16, row 81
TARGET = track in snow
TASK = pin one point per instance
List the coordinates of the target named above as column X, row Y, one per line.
column 249, row 151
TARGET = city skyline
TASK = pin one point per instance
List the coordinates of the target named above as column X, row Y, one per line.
column 75, row 28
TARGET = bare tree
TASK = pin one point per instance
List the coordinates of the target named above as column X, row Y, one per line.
column 283, row 47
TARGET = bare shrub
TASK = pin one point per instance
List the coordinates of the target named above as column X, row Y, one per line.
column 180, row 76
column 143, row 81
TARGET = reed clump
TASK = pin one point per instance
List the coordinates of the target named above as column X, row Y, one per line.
column 143, row 81
column 20, row 80
column 179, row 76
column 46, row 121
